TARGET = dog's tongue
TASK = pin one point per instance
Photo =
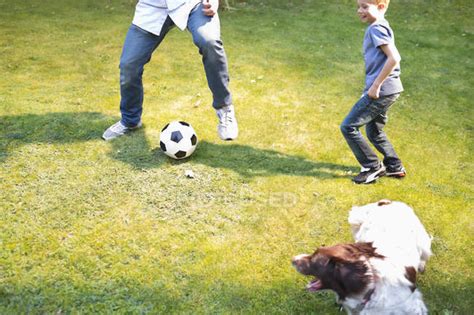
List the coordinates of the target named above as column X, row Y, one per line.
column 314, row 285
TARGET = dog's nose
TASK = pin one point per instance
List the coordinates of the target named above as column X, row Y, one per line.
column 295, row 261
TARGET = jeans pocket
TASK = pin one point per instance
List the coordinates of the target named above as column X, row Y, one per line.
column 366, row 100
column 382, row 104
column 139, row 30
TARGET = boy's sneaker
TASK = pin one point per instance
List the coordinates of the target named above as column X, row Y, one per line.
column 227, row 127
column 369, row 175
column 117, row 130
column 396, row 172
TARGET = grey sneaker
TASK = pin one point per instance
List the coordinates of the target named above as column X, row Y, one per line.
column 227, row 127
column 117, row 130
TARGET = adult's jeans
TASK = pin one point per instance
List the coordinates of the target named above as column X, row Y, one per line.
column 137, row 51
column 373, row 114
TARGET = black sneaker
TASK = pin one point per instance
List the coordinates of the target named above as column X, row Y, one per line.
column 367, row 176
column 396, row 172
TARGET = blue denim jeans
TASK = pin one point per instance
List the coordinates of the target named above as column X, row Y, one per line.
column 137, row 51
column 373, row 114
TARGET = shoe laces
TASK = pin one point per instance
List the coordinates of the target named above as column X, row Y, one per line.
column 118, row 127
column 225, row 115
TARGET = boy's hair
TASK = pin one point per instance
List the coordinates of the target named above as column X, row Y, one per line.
column 386, row 2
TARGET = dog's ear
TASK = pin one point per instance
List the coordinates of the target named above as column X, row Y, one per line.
column 320, row 258
column 352, row 277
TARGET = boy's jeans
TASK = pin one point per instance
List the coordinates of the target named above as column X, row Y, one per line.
column 373, row 114
column 139, row 46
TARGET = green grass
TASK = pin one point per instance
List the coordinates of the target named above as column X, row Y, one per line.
column 95, row 227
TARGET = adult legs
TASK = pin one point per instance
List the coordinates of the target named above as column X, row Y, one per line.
column 137, row 51
column 205, row 31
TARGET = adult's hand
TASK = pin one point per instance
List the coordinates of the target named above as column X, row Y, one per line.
column 210, row 7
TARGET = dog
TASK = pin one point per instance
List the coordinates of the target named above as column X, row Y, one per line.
column 377, row 273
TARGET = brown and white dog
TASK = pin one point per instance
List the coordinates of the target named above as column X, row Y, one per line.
column 377, row 274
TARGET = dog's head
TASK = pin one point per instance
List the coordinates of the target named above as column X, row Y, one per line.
column 342, row 268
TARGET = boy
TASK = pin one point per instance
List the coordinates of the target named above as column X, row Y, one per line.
column 382, row 88
column 152, row 21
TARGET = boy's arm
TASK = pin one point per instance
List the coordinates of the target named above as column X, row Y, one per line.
column 393, row 59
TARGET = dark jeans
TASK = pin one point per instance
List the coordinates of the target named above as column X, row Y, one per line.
column 373, row 114
column 139, row 46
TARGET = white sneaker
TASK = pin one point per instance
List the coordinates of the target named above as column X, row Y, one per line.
column 227, row 127
column 118, row 130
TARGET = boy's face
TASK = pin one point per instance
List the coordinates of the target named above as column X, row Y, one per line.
column 369, row 11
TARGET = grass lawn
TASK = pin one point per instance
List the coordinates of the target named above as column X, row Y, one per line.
column 88, row 226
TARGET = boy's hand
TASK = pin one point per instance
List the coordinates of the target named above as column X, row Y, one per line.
column 210, row 7
column 374, row 91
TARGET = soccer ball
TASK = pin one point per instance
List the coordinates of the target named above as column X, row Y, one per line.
column 178, row 140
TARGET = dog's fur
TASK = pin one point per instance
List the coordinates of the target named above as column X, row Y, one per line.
column 377, row 274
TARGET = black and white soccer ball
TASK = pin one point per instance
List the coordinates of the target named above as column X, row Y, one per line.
column 178, row 140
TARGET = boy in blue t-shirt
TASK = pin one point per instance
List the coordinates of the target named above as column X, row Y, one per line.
column 382, row 88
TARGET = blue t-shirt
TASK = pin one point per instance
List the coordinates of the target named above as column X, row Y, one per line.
column 377, row 34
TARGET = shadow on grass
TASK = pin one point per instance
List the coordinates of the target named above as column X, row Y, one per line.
column 242, row 159
column 218, row 297
column 250, row 162
column 70, row 127
column 135, row 149
column 131, row 297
